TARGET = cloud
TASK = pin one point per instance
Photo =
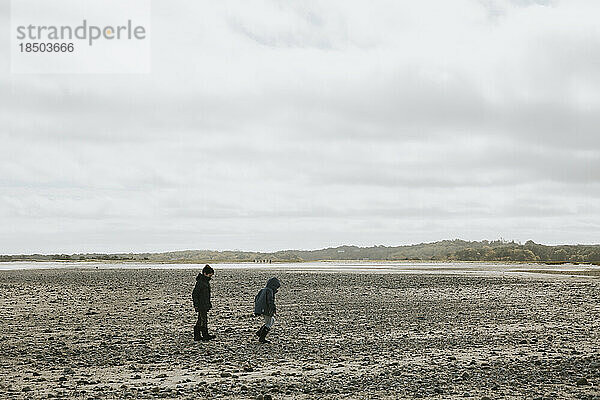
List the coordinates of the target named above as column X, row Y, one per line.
column 281, row 125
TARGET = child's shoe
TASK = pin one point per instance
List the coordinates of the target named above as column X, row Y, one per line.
column 263, row 335
column 260, row 331
column 205, row 336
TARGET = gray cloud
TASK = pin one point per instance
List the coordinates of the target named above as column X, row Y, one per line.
column 299, row 125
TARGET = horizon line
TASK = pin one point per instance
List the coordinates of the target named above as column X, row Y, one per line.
column 501, row 240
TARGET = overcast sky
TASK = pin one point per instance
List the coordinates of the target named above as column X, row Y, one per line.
column 302, row 124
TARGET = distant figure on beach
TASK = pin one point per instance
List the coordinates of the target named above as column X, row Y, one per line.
column 264, row 304
column 201, row 297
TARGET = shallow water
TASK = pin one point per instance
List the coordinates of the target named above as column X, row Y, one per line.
column 453, row 268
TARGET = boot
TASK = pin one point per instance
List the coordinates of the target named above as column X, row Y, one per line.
column 263, row 335
column 197, row 334
column 205, row 336
column 260, row 331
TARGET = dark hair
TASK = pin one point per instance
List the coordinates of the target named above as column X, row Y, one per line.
column 207, row 270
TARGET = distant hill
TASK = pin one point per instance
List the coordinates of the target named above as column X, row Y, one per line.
column 445, row 250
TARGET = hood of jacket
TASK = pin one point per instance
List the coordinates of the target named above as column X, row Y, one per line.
column 273, row 284
column 203, row 277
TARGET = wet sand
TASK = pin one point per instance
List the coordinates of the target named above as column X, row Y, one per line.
column 127, row 333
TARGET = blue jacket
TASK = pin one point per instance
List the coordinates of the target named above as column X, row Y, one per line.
column 264, row 302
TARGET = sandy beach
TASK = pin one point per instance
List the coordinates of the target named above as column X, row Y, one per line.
column 127, row 333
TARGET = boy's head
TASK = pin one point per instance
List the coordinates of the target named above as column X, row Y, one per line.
column 274, row 284
column 208, row 271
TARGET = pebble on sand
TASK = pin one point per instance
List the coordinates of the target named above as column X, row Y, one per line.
column 582, row 382
column 264, row 397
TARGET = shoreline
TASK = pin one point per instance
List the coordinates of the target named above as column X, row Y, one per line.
column 340, row 267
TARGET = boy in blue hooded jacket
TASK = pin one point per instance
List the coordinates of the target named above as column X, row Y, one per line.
column 264, row 304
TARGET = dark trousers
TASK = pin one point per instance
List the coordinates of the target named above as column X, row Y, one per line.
column 202, row 319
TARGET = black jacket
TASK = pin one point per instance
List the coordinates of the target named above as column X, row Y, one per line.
column 201, row 293
column 264, row 302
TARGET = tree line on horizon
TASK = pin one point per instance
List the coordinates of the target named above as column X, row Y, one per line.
column 445, row 250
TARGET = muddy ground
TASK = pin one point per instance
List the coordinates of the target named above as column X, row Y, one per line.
column 119, row 333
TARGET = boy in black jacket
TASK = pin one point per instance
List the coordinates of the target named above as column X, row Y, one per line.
column 201, row 297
